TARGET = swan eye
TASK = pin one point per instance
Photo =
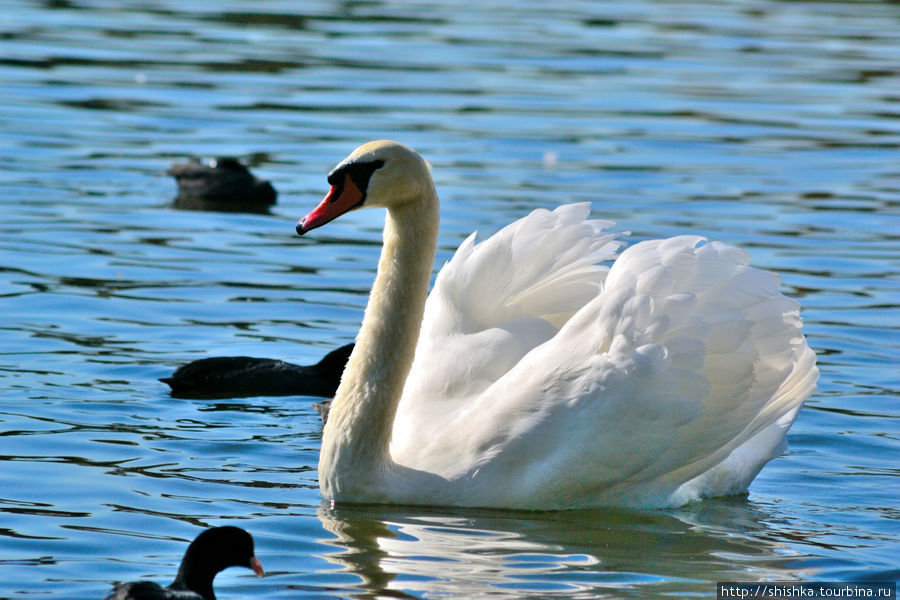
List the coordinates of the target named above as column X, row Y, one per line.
column 361, row 173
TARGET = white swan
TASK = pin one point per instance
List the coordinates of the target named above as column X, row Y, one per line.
column 542, row 380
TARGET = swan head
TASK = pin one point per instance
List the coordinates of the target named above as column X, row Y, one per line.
column 377, row 174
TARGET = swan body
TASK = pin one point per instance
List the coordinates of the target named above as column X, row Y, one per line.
column 535, row 377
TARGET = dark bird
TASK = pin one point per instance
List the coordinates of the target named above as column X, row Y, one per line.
column 222, row 185
column 212, row 551
column 241, row 376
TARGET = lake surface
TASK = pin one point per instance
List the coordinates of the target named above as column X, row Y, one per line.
column 771, row 125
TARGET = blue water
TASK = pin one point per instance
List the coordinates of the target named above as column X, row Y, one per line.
column 771, row 125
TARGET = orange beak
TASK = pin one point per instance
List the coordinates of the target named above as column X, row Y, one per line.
column 340, row 199
column 256, row 566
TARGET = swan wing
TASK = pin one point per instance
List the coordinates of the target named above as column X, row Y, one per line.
column 678, row 379
column 495, row 301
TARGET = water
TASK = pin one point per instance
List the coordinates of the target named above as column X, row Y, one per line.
column 771, row 125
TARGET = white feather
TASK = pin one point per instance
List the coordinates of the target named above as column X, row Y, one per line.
column 544, row 379
column 622, row 385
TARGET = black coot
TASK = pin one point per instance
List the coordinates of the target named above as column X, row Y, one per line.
column 222, row 185
column 241, row 376
column 212, row 551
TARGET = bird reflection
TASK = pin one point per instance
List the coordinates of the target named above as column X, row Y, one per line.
column 470, row 553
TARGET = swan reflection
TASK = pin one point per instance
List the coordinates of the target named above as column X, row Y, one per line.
column 598, row 553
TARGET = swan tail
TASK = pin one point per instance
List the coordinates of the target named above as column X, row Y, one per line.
column 679, row 380
column 725, row 326
column 734, row 474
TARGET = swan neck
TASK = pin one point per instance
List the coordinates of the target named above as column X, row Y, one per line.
column 355, row 443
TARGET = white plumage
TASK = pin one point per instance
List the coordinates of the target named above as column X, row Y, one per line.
column 544, row 379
